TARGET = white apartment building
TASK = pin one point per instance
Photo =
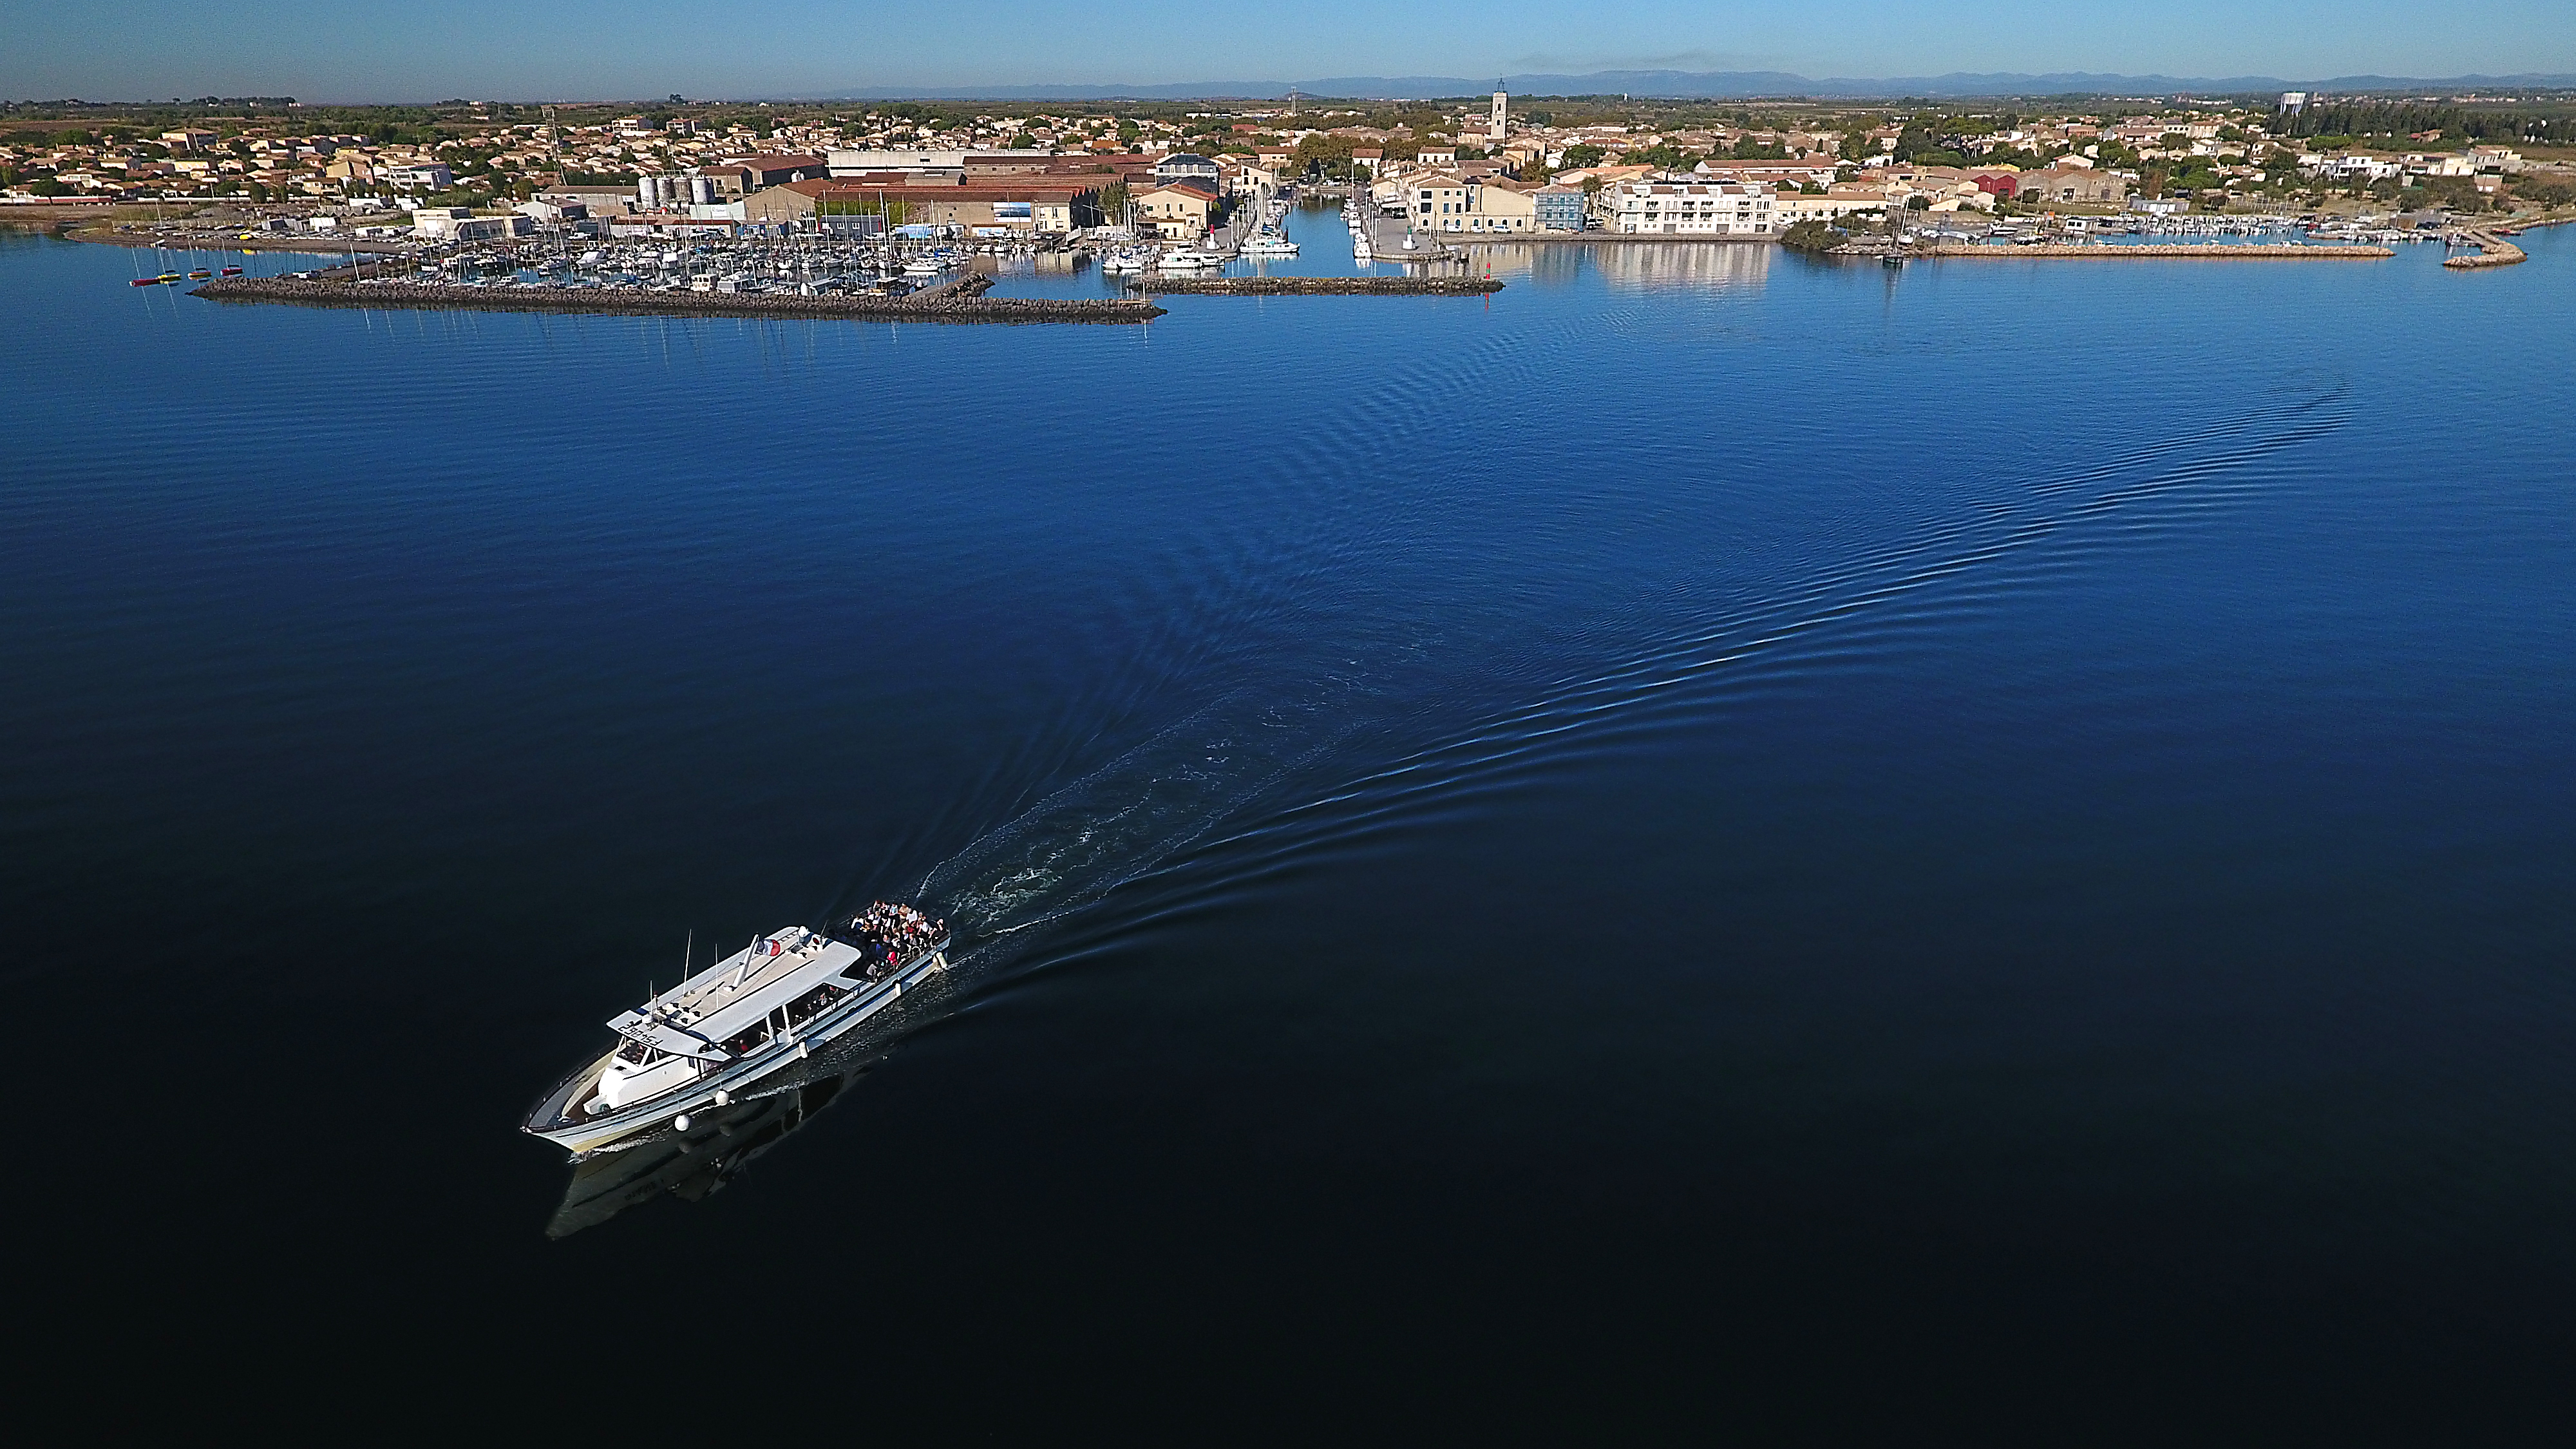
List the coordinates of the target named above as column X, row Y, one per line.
column 425, row 175
column 1684, row 208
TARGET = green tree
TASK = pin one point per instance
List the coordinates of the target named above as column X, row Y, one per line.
column 1327, row 155
column 1813, row 234
column 1579, row 157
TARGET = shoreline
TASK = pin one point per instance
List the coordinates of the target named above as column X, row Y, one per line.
column 2212, row 251
column 311, row 244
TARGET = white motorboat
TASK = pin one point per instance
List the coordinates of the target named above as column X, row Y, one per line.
column 1269, row 244
column 712, row 1038
column 1189, row 259
column 1125, row 259
column 924, row 267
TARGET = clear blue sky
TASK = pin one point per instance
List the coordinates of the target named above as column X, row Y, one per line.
column 112, row 49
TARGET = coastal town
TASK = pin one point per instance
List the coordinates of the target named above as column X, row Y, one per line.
column 1486, row 166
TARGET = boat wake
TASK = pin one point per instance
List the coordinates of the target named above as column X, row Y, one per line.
column 1132, row 814
column 1103, row 830
column 1671, row 671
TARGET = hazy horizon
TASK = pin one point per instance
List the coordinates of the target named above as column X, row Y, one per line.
column 149, row 49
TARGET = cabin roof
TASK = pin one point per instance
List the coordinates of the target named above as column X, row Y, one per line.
column 713, row 1005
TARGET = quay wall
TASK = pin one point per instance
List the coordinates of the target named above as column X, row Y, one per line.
column 431, row 296
column 1319, row 286
column 2207, row 251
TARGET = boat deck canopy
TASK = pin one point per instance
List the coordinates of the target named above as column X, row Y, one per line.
column 736, row 993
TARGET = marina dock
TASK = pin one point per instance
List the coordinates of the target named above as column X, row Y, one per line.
column 1317, row 286
column 955, row 302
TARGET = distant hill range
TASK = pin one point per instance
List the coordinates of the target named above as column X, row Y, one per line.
column 1682, row 84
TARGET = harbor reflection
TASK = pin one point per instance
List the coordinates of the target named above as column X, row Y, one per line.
column 689, row 1165
column 1629, row 265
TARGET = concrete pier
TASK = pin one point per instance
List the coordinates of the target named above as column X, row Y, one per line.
column 956, row 301
column 1318, row 286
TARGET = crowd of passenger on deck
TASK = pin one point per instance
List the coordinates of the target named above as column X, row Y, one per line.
column 888, row 935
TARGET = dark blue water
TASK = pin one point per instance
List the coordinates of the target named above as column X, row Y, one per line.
column 1714, row 842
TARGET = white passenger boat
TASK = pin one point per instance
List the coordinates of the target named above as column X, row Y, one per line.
column 710, row 1039
column 1269, row 244
column 689, row 1165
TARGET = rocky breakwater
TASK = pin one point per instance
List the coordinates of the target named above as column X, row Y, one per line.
column 961, row 300
column 1317, row 286
column 2493, row 251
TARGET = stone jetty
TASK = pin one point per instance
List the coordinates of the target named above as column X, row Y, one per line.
column 2207, row 251
column 1317, row 286
column 960, row 300
column 2493, row 251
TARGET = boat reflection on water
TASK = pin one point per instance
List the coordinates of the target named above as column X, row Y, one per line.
column 688, row 1165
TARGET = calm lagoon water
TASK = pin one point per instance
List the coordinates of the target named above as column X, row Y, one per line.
column 1713, row 841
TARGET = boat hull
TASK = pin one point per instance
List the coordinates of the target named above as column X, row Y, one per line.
column 555, row 1120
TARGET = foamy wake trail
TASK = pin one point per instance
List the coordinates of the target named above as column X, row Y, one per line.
column 1130, row 815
